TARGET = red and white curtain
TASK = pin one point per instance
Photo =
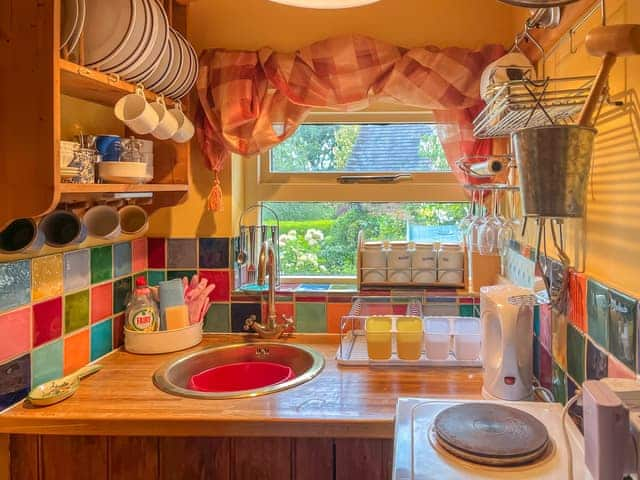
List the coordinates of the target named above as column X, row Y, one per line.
column 250, row 101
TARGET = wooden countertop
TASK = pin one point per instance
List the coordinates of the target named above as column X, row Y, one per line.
column 345, row 402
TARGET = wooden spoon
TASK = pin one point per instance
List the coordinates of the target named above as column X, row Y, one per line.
column 60, row 389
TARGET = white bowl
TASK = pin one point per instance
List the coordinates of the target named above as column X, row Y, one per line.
column 122, row 172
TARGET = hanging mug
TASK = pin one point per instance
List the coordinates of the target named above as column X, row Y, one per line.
column 136, row 112
column 168, row 123
column 134, row 220
column 62, row 228
column 103, row 222
column 186, row 130
column 21, row 236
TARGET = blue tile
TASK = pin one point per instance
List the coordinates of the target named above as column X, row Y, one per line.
column 313, row 287
column 15, row 284
column 15, row 380
column 622, row 327
column 213, row 252
column 47, row 363
column 101, row 339
column 122, row 259
column 77, row 275
column 242, row 311
column 597, row 362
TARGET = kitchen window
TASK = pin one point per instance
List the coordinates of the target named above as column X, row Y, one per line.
column 308, row 178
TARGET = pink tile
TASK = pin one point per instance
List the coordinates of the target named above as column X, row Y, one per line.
column 156, row 253
column 15, row 338
column 221, row 279
column 47, row 321
column 545, row 326
column 139, row 255
column 101, row 302
column 618, row 370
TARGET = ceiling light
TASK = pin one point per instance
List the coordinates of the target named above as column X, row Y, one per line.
column 325, row 4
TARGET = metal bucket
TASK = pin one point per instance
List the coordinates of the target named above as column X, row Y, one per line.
column 553, row 165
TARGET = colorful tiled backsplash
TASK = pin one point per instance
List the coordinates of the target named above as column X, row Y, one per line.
column 59, row 312
column 595, row 335
column 317, row 308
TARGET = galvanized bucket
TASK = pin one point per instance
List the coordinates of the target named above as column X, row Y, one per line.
column 553, row 165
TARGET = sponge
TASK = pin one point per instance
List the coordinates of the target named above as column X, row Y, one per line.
column 177, row 316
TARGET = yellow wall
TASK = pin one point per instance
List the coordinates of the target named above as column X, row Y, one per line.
column 251, row 24
column 613, row 208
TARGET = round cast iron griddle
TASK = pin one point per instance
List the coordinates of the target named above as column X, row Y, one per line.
column 491, row 434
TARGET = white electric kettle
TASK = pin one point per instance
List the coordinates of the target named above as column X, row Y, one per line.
column 507, row 343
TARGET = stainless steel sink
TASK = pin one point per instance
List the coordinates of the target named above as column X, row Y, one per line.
column 174, row 376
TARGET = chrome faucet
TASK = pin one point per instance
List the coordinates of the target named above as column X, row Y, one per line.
column 269, row 328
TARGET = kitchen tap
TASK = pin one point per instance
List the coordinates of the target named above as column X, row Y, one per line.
column 269, row 328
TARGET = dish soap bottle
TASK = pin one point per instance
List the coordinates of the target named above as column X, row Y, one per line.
column 142, row 312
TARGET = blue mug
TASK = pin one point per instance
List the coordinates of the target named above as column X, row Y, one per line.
column 109, row 147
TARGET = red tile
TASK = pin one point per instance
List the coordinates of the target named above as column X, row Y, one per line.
column 156, row 253
column 577, row 308
column 285, row 309
column 139, row 255
column 619, row 370
column 118, row 331
column 76, row 351
column 47, row 321
column 545, row 326
column 16, row 333
column 335, row 312
column 220, row 278
column 101, row 302
column 546, row 368
column 311, row 298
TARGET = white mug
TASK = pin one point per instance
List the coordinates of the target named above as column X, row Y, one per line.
column 168, row 123
column 186, row 130
column 133, row 220
column 102, row 221
column 136, row 112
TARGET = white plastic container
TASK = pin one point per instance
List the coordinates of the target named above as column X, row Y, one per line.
column 163, row 341
column 374, row 263
column 437, row 338
column 399, row 263
column 466, row 346
column 451, row 264
column 424, row 263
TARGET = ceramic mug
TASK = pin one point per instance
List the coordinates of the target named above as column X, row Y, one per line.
column 102, row 221
column 136, row 112
column 109, row 147
column 133, row 220
column 168, row 123
column 186, row 130
column 21, row 236
column 62, row 228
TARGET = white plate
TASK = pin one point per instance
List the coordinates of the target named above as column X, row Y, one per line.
column 152, row 32
column 161, row 70
column 134, row 46
column 186, row 69
column 194, row 76
column 174, row 68
column 108, row 27
column 68, row 21
column 156, row 49
column 75, row 37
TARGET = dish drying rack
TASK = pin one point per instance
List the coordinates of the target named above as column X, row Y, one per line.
column 531, row 103
column 353, row 351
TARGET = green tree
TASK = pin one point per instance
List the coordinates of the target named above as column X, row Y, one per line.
column 431, row 148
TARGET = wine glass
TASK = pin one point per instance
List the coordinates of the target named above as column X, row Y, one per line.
column 488, row 230
column 463, row 224
column 474, row 226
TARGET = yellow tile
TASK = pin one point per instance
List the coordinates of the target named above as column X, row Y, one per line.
column 46, row 277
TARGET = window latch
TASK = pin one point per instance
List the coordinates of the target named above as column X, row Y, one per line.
column 348, row 179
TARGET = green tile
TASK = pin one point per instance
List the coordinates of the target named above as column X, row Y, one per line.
column 598, row 312
column 311, row 317
column 622, row 328
column 121, row 290
column 101, row 339
column 101, row 264
column 218, row 318
column 559, row 384
column 76, row 311
column 156, row 276
column 46, row 363
column 171, row 274
column 466, row 311
column 575, row 354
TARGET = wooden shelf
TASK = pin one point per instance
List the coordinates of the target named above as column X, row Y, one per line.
column 87, row 84
column 121, row 188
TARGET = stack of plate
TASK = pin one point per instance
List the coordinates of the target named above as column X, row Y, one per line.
column 133, row 39
column 72, row 22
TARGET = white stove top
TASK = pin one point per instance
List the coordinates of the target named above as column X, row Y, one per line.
column 418, row 457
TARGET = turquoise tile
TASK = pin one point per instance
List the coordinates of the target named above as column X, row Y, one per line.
column 171, row 274
column 101, row 339
column 218, row 318
column 15, row 284
column 76, row 311
column 536, row 320
column 466, row 311
column 559, row 384
column 311, row 317
column 575, row 354
column 121, row 290
column 101, row 264
column 598, row 312
column 46, row 363
column 122, row 259
column 156, row 276
column 622, row 327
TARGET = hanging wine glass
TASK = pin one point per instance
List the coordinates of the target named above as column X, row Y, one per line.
column 488, row 230
column 474, row 226
column 463, row 224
